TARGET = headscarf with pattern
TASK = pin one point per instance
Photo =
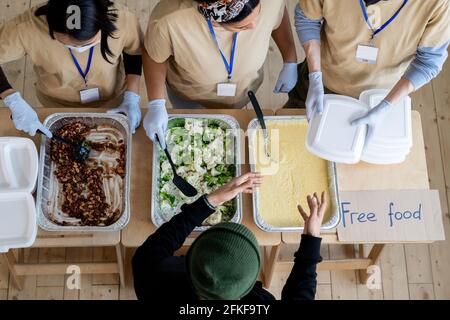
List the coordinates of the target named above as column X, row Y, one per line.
column 222, row 10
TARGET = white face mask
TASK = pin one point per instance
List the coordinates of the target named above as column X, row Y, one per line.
column 84, row 48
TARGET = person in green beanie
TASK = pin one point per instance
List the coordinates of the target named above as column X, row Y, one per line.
column 224, row 262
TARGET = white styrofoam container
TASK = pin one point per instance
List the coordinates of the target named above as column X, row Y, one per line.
column 18, row 165
column 331, row 136
column 18, row 175
column 386, row 151
column 396, row 128
column 18, row 225
column 376, row 158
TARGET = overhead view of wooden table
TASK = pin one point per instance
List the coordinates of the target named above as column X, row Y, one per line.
column 412, row 174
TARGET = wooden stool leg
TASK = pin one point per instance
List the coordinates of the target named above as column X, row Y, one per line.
column 361, row 251
column 374, row 254
column 269, row 265
column 11, row 262
column 120, row 260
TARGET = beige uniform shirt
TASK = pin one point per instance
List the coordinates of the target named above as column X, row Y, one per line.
column 423, row 23
column 179, row 34
column 58, row 80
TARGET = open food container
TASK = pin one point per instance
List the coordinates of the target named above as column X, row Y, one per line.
column 329, row 175
column 331, row 135
column 106, row 127
column 166, row 199
column 18, row 174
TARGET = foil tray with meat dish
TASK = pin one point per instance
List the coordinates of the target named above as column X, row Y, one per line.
column 91, row 194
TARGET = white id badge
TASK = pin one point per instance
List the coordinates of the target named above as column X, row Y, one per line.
column 226, row 89
column 89, row 95
column 367, row 53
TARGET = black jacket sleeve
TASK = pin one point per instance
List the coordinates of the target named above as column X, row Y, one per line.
column 4, row 84
column 132, row 64
column 165, row 241
column 302, row 282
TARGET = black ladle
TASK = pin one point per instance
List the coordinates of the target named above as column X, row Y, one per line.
column 185, row 187
column 81, row 150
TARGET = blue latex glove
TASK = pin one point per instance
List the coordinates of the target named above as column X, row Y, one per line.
column 314, row 99
column 156, row 120
column 287, row 79
column 131, row 108
column 374, row 116
column 24, row 117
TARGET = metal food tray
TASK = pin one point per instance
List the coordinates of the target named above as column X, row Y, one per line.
column 232, row 123
column 332, row 179
column 55, row 122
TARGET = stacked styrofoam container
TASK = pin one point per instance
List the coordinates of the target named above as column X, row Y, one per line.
column 332, row 137
column 392, row 136
column 18, row 175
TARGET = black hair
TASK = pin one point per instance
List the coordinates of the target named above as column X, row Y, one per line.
column 248, row 9
column 96, row 15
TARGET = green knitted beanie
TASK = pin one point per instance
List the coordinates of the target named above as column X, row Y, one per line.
column 223, row 262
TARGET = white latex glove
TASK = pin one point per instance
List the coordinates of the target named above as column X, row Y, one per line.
column 155, row 122
column 24, row 117
column 287, row 79
column 374, row 116
column 131, row 108
column 314, row 99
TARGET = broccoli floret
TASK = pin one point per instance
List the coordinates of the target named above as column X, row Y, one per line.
column 169, row 197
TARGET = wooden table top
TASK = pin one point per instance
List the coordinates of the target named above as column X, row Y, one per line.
column 411, row 174
column 140, row 225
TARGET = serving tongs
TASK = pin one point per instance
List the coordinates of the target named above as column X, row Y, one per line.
column 185, row 187
column 260, row 116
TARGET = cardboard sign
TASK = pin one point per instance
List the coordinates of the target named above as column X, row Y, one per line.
column 384, row 216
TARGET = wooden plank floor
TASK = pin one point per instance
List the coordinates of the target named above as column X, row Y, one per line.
column 407, row 271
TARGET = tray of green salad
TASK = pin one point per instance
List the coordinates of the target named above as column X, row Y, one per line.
column 206, row 151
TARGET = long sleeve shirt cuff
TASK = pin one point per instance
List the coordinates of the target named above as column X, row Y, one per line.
column 309, row 250
column 417, row 77
column 198, row 210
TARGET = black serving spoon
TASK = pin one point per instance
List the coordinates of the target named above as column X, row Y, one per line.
column 81, row 150
column 185, row 187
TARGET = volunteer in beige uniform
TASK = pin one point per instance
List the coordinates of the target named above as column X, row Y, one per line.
column 211, row 53
column 90, row 58
column 355, row 45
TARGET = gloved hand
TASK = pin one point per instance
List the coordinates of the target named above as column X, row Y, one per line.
column 314, row 99
column 24, row 117
column 155, row 122
column 287, row 79
column 131, row 108
column 375, row 115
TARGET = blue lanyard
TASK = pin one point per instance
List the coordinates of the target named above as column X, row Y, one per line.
column 229, row 66
column 375, row 32
column 85, row 73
